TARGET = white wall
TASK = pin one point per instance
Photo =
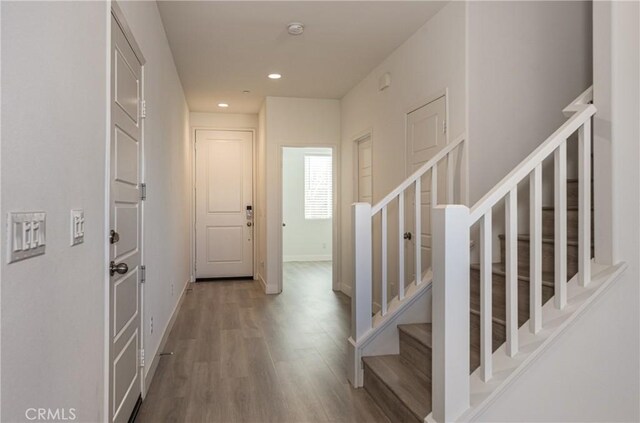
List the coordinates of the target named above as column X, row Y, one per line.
column 54, row 107
column 223, row 120
column 527, row 60
column 167, row 213
column 429, row 62
column 261, row 206
column 302, row 239
column 591, row 373
column 290, row 122
column 54, row 143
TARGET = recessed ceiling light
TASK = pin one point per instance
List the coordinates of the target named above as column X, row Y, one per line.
column 223, row 105
column 246, row 92
column 295, row 28
column 275, row 76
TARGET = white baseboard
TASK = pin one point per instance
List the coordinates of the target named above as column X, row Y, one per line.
column 308, row 257
column 267, row 289
column 148, row 377
column 346, row 289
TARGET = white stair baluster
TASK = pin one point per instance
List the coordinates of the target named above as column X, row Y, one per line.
column 511, row 270
column 384, row 261
column 486, row 318
column 535, row 252
column 450, row 176
column 434, row 186
column 401, row 245
column 418, row 236
column 584, row 204
column 560, row 225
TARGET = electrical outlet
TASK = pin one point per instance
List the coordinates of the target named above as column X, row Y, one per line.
column 324, row 245
column 151, row 325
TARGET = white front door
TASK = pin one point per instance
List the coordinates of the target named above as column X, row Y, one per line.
column 224, row 204
column 125, row 373
column 426, row 136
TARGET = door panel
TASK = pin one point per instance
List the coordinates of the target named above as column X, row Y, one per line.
column 224, row 190
column 426, row 136
column 125, row 380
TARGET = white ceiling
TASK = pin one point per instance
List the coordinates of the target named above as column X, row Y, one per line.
column 223, row 48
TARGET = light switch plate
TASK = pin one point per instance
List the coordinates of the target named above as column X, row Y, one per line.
column 26, row 235
column 77, row 227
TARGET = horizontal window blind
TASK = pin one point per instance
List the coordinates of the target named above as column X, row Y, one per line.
column 318, row 201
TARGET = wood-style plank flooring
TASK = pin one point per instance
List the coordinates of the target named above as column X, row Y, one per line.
column 243, row 356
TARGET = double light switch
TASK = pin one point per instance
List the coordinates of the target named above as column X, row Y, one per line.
column 27, row 237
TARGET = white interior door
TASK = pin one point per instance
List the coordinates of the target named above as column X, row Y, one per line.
column 224, row 203
column 125, row 215
column 426, row 136
column 365, row 186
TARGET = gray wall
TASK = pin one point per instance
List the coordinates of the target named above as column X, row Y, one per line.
column 54, row 100
column 54, row 143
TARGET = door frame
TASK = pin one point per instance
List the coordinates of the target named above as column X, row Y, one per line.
column 193, row 233
column 114, row 10
column 335, row 246
column 356, row 139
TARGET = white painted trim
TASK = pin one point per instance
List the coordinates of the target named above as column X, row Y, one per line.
column 308, row 257
column 254, row 193
column 107, row 224
column 345, row 289
column 556, row 322
column 356, row 140
column 128, row 34
column 114, row 10
column 267, row 289
column 335, row 245
column 151, row 369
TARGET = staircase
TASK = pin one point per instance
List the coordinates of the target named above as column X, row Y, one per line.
column 401, row 383
column 431, row 351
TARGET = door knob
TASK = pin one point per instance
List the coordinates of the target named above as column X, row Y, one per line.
column 113, row 237
column 249, row 224
column 120, row 268
column 284, row 224
column 407, row 235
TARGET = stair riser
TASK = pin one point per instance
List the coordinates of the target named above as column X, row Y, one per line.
column 415, row 354
column 548, row 224
column 386, row 400
column 498, row 334
column 548, row 257
column 498, row 292
column 572, row 193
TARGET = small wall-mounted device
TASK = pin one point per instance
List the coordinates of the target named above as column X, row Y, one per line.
column 384, row 82
column 249, row 213
column 77, row 227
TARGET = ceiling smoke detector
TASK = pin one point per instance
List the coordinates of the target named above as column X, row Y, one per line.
column 295, row 28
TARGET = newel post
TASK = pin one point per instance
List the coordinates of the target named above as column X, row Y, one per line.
column 361, row 289
column 450, row 292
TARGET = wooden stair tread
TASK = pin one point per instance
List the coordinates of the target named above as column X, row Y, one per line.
column 412, row 388
column 421, row 332
column 499, row 269
column 545, row 239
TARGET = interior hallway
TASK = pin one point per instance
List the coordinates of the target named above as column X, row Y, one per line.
column 243, row 356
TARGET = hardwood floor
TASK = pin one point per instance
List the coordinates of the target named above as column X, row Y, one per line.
column 243, row 356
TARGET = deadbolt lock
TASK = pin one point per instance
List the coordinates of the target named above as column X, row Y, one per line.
column 407, row 235
column 113, row 237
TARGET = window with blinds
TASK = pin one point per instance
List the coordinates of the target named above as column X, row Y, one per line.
column 318, row 201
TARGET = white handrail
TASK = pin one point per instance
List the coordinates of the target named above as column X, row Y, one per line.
column 417, row 174
column 584, row 112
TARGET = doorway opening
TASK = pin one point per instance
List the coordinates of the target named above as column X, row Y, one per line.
column 308, row 190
